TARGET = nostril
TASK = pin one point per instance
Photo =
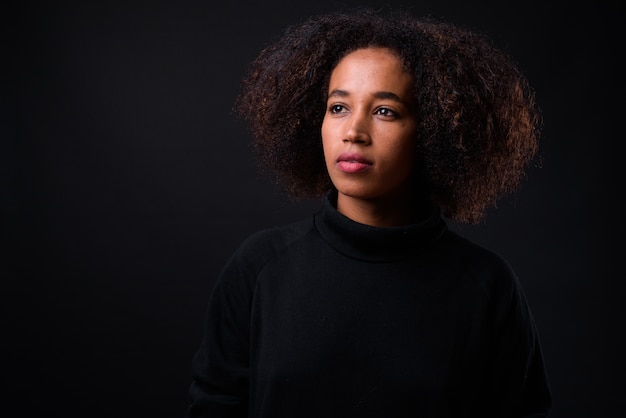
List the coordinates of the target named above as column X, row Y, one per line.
column 355, row 135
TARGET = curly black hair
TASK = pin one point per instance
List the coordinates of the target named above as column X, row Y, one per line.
column 478, row 121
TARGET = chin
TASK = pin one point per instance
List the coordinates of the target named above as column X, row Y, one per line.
column 354, row 193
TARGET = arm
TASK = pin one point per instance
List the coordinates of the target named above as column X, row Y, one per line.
column 520, row 380
column 220, row 367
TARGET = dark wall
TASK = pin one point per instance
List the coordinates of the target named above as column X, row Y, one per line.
column 126, row 183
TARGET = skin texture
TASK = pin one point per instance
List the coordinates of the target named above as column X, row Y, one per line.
column 369, row 135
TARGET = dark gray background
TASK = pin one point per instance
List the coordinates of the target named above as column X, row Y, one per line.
column 126, row 184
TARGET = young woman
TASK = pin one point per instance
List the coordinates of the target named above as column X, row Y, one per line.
column 373, row 307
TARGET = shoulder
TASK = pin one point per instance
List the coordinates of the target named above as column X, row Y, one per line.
column 239, row 275
column 264, row 245
column 492, row 277
column 487, row 268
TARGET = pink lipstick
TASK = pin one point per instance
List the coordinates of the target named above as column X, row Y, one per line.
column 352, row 163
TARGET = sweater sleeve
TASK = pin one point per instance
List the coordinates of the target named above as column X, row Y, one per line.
column 220, row 367
column 519, row 376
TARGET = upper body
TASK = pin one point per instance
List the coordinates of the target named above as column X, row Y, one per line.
column 332, row 318
column 373, row 307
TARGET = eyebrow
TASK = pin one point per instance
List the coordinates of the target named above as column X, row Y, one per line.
column 379, row 95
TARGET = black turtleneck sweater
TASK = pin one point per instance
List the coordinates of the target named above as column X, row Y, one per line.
column 331, row 318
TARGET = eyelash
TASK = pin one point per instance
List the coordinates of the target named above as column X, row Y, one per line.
column 388, row 111
column 337, row 108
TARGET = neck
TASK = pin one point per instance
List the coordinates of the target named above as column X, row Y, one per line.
column 379, row 212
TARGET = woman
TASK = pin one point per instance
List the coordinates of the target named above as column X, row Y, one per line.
column 373, row 307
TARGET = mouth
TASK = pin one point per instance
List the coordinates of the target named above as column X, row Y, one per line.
column 353, row 163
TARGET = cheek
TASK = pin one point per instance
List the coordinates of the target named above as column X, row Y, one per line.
column 326, row 140
column 404, row 154
column 325, row 128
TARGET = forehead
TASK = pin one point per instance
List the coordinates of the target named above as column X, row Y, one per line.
column 371, row 68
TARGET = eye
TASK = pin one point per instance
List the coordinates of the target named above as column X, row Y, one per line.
column 385, row 111
column 336, row 108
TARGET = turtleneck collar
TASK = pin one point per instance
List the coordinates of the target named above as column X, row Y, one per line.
column 375, row 244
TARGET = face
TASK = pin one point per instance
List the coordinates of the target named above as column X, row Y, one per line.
column 369, row 129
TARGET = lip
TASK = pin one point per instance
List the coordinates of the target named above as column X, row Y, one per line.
column 353, row 163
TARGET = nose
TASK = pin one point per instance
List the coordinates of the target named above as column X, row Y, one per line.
column 358, row 129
